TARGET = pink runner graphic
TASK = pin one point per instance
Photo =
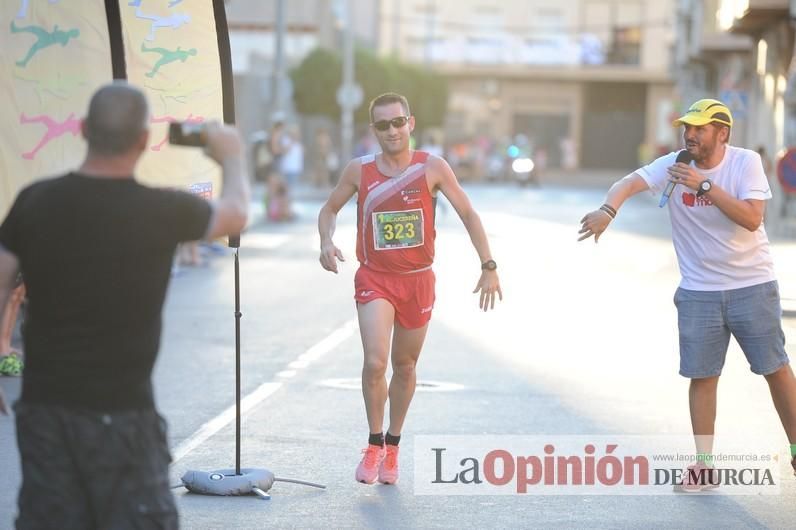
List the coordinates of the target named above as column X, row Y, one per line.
column 54, row 130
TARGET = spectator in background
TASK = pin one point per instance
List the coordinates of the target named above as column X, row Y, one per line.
column 261, row 157
column 278, row 141
column 10, row 359
column 320, row 168
column 277, row 200
column 569, row 156
column 326, row 162
column 292, row 163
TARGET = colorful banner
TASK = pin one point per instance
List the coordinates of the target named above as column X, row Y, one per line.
column 60, row 51
column 171, row 50
column 56, row 54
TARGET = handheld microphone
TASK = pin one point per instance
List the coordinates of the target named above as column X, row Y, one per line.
column 685, row 157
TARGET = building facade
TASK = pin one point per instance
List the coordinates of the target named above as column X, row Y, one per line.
column 587, row 81
column 260, row 66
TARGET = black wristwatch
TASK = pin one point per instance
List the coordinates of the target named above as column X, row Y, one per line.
column 704, row 187
column 489, row 265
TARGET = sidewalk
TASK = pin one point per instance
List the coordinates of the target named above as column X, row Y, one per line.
column 784, row 254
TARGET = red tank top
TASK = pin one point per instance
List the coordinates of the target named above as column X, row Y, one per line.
column 395, row 218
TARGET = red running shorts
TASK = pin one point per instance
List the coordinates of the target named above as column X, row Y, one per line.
column 412, row 294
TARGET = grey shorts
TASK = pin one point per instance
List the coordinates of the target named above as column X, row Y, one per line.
column 706, row 320
column 87, row 470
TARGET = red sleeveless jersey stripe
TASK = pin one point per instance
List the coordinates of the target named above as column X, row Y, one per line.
column 395, row 218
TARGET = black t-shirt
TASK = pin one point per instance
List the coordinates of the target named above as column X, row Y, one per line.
column 96, row 257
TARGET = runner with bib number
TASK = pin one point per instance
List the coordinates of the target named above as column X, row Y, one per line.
column 394, row 285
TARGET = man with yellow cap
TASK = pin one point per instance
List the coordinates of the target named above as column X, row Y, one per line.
column 728, row 287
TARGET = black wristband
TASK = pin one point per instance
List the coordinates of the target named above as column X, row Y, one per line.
column 608, row 208
column 608, row 212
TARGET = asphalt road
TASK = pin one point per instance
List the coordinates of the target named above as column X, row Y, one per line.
column 584, row 344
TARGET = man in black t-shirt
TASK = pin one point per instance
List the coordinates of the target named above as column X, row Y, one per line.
column 96, row 247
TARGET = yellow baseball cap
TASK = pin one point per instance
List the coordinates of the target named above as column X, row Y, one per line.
column 706, row 111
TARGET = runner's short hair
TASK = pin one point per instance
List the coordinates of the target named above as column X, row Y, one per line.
column 387, row 99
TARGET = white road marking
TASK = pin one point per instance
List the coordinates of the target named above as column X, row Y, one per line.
column 297, row 365
column 247, row 403
column 222, row 420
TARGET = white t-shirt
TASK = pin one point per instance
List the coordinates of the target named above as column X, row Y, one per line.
column 293, row 159
column 715, row 253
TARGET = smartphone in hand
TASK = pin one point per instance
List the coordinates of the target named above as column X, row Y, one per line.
column 186, row 134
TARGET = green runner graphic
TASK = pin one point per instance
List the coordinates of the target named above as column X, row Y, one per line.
column 44, row 39
column 167, row 56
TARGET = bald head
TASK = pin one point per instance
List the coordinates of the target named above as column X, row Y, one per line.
column 117, row 115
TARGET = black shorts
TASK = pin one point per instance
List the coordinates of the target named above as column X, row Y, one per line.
column 89, row 470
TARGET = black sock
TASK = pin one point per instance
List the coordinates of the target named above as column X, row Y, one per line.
column 376, row 439
column 392, row 440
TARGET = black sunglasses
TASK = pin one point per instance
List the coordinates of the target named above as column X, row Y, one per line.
column 383, row 125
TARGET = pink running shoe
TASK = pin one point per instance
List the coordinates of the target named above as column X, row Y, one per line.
column 388, row 470
column 698, row 477
column 368, row 468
